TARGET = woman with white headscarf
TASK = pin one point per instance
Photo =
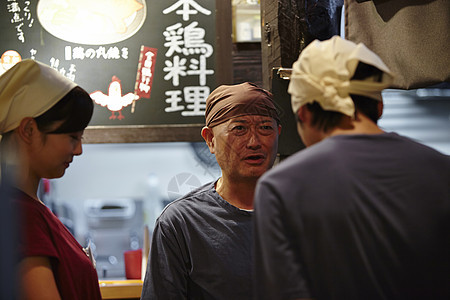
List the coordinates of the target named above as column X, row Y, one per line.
column 42, row 119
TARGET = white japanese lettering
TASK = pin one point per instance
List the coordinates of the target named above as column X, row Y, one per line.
column 186, row 10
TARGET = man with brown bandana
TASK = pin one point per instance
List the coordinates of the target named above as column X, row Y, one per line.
column 202, row 243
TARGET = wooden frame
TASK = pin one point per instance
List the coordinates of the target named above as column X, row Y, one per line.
column 143, row 134
column 182, row 132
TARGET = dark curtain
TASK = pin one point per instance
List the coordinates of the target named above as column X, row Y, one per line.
column 302, row 21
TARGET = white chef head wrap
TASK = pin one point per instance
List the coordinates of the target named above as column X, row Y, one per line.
column 29, row 89
column 323, row 74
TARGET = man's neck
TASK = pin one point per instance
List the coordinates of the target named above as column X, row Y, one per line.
column 360, row 125
column 239, row 194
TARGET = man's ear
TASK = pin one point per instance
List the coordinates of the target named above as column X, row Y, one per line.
column 208, row 136
column 26, row 129
column 303, row 114
column 380, row 107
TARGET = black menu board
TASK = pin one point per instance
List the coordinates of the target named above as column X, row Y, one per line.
column 144, row 62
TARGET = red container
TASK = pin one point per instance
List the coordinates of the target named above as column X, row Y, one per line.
column 133, row 263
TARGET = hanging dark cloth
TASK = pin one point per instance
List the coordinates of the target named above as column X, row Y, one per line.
column 411, row 36
column 302, row 21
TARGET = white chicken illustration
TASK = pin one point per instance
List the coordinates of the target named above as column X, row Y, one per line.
column 114, row 101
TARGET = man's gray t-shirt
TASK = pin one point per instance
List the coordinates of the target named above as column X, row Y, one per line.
column 201, row 249
column 355, row 217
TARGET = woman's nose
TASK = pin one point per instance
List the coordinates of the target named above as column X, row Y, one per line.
column 78, row 149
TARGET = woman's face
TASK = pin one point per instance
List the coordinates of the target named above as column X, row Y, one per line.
column 51, row 154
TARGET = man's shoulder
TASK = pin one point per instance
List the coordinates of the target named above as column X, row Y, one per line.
column 301, row 157
column 195, row 193
column 312, row 159
column 193, row 200
column 281, row 173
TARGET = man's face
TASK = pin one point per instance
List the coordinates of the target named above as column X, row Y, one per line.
column 245, row 147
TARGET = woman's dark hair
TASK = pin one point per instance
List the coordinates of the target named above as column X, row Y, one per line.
column 326, row 120
column 74, row 109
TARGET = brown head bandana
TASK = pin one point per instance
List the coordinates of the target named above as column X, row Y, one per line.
column 230, row 101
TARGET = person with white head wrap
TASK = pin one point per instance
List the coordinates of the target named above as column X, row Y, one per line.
column 360, row 213
column 28, row 90
column 42, row 119
column 324, row 71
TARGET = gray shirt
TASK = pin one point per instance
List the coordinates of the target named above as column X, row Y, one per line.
column 201, row 249
column 355, row 217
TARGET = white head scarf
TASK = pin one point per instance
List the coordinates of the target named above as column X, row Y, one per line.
column 29, row 89
column 323, row 72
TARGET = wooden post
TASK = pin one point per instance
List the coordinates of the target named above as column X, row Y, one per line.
column 224, row 44
column 288, row 26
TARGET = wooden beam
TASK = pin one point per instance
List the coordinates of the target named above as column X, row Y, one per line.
column 224, row 43
column 143, row 134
